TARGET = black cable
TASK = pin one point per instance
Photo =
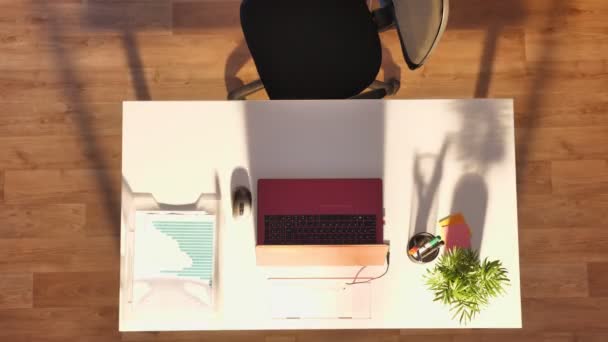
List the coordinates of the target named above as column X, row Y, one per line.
column 388, row 264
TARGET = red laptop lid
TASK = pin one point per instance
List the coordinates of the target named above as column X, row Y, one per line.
column 319, row 197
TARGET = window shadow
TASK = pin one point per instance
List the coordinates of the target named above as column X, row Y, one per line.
column 140, row 85
column 127, row 20
column 83, row 115
column 494, row 17
column 426, row 190
column 541, row 78
column 479, row 141
column 471, row 199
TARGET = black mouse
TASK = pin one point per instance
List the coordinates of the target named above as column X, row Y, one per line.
column 241, row 203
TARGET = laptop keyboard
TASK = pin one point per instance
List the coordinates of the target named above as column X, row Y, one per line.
column 319, row 229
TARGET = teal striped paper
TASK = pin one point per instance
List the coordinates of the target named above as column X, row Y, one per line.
column 195, row 238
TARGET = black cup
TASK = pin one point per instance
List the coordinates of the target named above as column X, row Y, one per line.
column 419, row 240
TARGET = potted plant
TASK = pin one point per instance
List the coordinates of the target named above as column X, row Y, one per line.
column 464, row 283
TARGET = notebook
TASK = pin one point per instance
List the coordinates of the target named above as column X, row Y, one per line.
column 457, row 235
column 455, row 231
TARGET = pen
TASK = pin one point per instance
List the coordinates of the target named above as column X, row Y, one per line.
column 431, row 250
column 429, row 245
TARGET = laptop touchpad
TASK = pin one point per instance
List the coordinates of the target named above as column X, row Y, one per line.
column 319, row 298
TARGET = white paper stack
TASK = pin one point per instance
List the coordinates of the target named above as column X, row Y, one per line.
column 174, row 259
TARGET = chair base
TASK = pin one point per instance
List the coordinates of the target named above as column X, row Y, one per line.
column 379, row 90
column 242, row 92
column 391, row 86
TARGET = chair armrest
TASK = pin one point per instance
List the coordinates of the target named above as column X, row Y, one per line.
column 420, row 24
column 384, row 17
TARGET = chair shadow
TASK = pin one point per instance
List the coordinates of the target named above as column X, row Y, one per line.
column 391, row 69
column 236, row 60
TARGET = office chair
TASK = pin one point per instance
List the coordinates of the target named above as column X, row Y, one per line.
column 330, row 49
column 419, row 23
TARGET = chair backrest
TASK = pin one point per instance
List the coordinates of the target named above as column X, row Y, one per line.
column 420, row 24
column 312, row 49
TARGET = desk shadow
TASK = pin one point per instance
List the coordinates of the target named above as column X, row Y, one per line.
column 471, row 199
column 426, row 210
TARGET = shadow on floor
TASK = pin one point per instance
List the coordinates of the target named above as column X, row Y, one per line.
column 479, row 144
column 236, row 61
column 465, row 14
column 493, row 16
column 541, row 78
column 110, row 194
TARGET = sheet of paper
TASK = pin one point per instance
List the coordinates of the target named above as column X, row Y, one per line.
column 174, row 258
column 319, row 298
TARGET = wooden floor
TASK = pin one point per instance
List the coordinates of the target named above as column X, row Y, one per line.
column 66, row 65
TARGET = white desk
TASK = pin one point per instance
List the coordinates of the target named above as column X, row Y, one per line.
column 174, row 150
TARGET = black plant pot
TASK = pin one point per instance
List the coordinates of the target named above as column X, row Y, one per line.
column 419, row 240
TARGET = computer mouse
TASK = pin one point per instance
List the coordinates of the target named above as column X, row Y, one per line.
column 241, row 203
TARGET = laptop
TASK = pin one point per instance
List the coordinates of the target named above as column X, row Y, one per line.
column 319, row 212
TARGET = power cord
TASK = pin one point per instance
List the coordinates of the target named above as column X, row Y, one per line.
column 388, row 264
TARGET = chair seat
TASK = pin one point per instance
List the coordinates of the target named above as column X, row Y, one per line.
column 312, row 49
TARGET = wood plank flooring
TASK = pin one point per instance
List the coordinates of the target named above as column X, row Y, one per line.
column 66, row 65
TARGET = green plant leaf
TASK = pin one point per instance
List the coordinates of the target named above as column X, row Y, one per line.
column 464, row 283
